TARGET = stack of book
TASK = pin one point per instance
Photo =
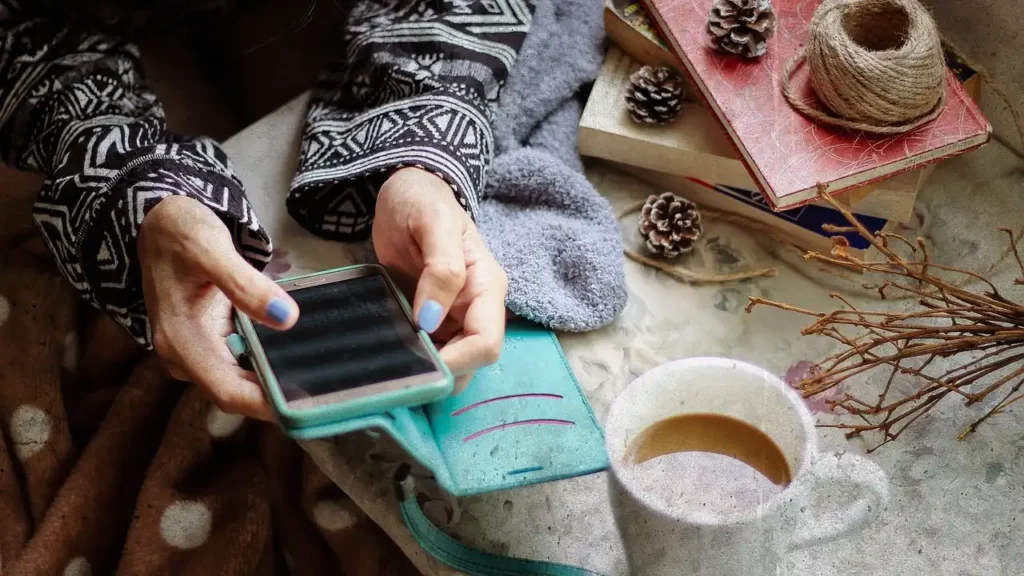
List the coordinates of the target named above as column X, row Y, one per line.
column 764, row 163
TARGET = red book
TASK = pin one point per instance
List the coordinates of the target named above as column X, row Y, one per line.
column 787, row 154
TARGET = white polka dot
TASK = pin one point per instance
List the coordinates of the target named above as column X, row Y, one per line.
column 70, row 360
column 186, row 525
column 220, row 424
column 335, row 514
column 78, row 567
column 5, row 310
column 30, row 429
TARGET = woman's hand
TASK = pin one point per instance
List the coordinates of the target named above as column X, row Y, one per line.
column 422, row 233
column 192, row 276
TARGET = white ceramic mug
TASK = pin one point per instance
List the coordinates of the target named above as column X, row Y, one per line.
column 830, row 495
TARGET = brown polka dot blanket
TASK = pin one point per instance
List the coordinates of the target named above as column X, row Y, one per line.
column 109, row 466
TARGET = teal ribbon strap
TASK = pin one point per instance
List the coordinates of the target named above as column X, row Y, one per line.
column 470, row 560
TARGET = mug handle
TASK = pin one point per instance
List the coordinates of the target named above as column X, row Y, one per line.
column 829, row 471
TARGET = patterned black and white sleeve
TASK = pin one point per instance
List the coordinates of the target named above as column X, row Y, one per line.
column 417, row 87
column 74, row 106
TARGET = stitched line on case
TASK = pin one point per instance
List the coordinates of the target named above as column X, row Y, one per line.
column 508, row 397
column 538, row 421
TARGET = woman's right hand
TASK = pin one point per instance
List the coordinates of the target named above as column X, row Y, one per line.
column 192, row 278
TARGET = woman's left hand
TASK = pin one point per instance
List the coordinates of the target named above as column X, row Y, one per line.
column 421, row 233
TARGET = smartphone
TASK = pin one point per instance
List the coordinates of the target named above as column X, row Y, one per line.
column 355, row 350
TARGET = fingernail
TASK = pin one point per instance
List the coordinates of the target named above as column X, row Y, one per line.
column 430, row 316
column 278, row 310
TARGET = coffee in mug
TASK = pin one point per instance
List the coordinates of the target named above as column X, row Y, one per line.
column 716, row 472
column 713, row 460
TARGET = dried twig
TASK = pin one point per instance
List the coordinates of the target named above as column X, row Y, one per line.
column 980, row 333
column 1016, row 254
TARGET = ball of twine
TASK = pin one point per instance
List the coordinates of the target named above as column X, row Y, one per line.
column 877, row 65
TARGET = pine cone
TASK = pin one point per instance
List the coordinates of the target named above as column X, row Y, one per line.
column 670, row 224
column 742, row 27
column 655, row 95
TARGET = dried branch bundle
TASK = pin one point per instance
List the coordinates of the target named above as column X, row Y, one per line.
column 979, row 333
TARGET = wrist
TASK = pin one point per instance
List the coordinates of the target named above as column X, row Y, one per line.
column 159, row 218
column 174, row 223
column 420, row 177
column 424, row 183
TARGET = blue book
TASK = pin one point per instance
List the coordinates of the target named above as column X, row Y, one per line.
column 811, row 217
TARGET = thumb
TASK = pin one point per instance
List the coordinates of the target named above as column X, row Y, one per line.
column 254, row 294
column 444, row 273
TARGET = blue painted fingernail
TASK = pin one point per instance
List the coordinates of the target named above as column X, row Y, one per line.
column 430, row 316
column 278, row 310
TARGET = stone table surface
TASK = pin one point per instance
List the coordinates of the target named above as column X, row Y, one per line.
column 957, row 506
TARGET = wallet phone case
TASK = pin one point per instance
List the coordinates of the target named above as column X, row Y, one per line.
column 521, row 421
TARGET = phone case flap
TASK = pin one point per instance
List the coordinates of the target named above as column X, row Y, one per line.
column 521, row 421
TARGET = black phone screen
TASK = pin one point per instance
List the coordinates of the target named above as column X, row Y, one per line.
column 350, row 333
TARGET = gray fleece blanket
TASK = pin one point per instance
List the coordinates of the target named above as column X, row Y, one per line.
column 555, row 235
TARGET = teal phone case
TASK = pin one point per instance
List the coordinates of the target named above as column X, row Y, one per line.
column 296, row 422
column 523, row 420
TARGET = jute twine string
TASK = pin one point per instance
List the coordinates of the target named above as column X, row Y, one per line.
column 877, row 66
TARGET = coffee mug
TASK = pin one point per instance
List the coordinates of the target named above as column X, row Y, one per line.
column 828, row 496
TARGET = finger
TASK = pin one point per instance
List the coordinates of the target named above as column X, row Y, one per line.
column 462, row 380
column 449, row 328
column 257, row 296
column 444, row 272
column 238, row 392
column 484, row 332
column 177, row 373
column 461, row 383
column 207, row 363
